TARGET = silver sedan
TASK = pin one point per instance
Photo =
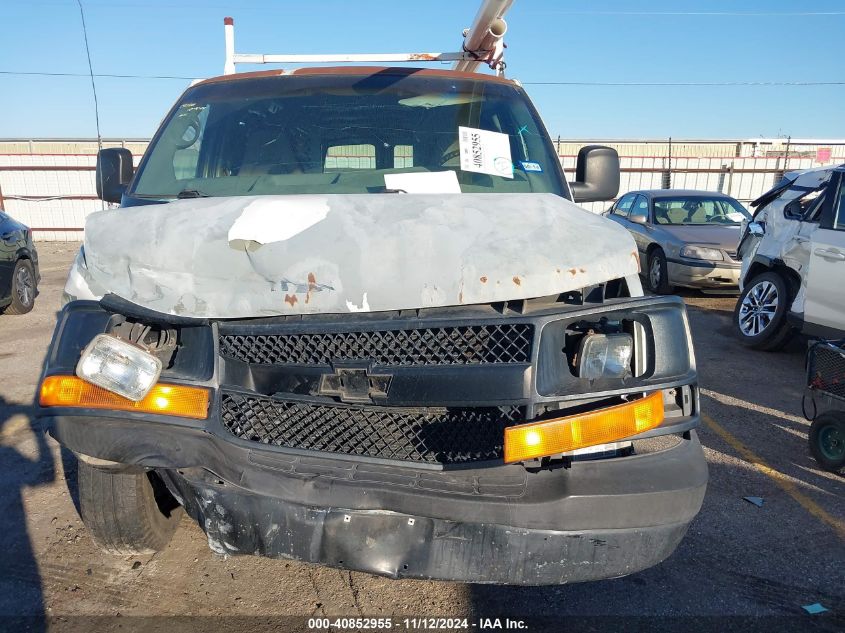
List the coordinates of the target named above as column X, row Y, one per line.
column 685, row 238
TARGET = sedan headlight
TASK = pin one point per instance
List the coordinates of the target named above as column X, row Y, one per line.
column 702, row 252
column 119, row 367
column 605, row 356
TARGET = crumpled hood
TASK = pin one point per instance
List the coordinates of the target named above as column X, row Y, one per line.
column 278, row 255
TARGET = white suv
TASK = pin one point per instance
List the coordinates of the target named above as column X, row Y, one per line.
column 793, row 261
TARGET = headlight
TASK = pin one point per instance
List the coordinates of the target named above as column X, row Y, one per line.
column 702, row 252
column 119, row 367
column 605, row 356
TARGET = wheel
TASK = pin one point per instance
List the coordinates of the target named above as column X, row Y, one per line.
column 760, row 314
column 827, row 441
column 657, row 279
column 23, row 288
column 126, row 513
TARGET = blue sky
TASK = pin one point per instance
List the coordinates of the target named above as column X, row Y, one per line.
column 563, row 41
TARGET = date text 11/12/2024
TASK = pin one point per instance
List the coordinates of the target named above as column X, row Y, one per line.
column 415, row 624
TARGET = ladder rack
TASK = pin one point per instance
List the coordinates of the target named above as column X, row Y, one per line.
column 483, row 44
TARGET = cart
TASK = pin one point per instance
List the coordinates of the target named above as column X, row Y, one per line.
column 826, row 380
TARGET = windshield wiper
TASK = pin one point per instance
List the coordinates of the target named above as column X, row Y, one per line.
column 191, row 193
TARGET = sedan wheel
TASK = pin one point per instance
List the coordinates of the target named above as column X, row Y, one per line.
column 657, row 277
column 23, row 288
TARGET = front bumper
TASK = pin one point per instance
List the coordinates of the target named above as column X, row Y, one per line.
column 299, row 485
column 413, row 546
column 595, row 519
column 704, row 275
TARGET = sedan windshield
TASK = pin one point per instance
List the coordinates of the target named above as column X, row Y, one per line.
column 694, row 210
column 326, row 134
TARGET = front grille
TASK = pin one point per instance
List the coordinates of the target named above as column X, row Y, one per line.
column 426, row 435
column 453, row 345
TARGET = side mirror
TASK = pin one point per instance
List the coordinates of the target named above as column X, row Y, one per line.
column 792, row 210
column 639, row 219
column 596, row 174
column 756, row 229
column 114, row 172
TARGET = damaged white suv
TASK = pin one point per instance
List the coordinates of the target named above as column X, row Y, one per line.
column 793, row 259
column 354, row 317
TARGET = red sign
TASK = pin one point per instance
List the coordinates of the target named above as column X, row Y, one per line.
column 823, row 154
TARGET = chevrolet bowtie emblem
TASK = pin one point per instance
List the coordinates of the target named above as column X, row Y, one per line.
column 354, row 384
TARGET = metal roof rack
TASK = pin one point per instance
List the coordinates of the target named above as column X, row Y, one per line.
column 483, row 44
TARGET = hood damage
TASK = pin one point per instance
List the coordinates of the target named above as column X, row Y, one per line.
column 241, row 257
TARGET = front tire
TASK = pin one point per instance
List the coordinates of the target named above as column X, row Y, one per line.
column 827, row 441
column 23, row 288
column 760, row 314
column 126, row 513
column 657, row 275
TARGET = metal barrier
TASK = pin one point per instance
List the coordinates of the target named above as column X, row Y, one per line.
column 49, row 184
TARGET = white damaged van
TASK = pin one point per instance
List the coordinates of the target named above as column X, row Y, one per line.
column 353, row 316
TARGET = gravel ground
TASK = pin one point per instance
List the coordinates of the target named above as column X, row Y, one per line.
column 738, row 560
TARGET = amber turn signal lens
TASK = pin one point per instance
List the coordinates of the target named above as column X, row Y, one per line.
column 178, row 400
column 562, row 435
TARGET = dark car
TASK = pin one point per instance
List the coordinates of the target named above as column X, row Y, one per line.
column 684, row 237
column 18, row 267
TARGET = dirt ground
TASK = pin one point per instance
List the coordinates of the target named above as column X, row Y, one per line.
column 738, row 560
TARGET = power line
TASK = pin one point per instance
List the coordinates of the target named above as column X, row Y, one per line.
column 91, row 74
column 703, row 84
column 270, row 6
column 750, row 14
column 526, row 83
column 93, row 83
column 106, row 75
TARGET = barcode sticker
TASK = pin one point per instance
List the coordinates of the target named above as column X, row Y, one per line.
column 485, row 152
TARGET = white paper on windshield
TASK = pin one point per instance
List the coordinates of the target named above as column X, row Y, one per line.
column 424, row 182
column 485, row 152
column 736, row 216
column 437, row 100
column 274, row 220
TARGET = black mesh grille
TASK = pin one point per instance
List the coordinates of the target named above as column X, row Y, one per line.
column 826, row 370
column 445, row 436
column 455, row 345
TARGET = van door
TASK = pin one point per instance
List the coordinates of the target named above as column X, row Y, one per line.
column 824, row 304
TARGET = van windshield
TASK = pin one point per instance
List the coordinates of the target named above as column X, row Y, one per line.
column 322, row 134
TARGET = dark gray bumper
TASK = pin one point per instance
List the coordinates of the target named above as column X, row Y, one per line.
column 388, row 509
column 407, row 546
column 502, row 524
